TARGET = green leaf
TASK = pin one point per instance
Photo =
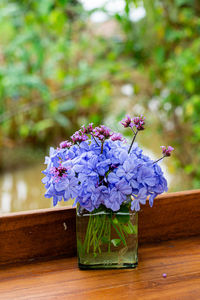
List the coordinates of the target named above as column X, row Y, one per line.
column 67, row 105
column 123, row 215
column 119, row 233
column 160, row 55
column 189, row 168
column 118, row 17
column 116, row 242
column 104, row 240
column 127, row 9
column 43, row 125
column 130, row 228
column 183, row 2
column 115, row 221
column 24, row 130
column 62, row 120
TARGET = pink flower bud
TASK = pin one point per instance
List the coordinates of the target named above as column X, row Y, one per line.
column 166, row 151
column 65, row 144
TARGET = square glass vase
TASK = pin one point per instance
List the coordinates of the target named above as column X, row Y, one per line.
column 107, row 239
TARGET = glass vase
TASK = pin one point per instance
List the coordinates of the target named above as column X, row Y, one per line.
column 107, row 239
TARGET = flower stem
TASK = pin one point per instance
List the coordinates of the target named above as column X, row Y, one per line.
column 109, row 234
column 99, row 230
column 95, row 140
column 133, row 141
column 103, row 222
column 87, row 234
column 102, row 146
column 159, row 159
column 121, row 231
column 97, row 226
column 119, row 234
column 133, row 130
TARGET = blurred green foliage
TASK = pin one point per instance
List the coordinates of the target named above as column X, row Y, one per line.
column 166, row 45
column 56, row 73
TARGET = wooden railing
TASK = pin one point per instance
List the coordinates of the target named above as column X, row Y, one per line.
column 51, row 233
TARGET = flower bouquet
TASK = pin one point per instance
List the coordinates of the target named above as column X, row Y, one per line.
column 108, row 180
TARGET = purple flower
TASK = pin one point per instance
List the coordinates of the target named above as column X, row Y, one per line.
column 86, row 168
column 99, row 195
column 128, row 169
column 69, row 187
column 103, row 166
column 102, row 132
column 103, row 173
column 117, row 137
column 151, row 199
column 65, row 144
column 88, row 129
column 113, row 178
column 166, row 151
column 140, row 198
column 58, row 172
column 85, row 202
column 118, row 194
column 104, row 194
column 127, row 122
column 160, row 185
column 146, row 176
column 79, row 137
column 139, row 122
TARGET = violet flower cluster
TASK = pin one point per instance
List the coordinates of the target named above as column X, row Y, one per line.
column 98, row 167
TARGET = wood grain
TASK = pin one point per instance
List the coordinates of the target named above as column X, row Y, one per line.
column 174, row 215
column 35, row 235
column 61, row 279
column 50, row 233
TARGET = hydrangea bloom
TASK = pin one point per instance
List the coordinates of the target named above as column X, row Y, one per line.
column 103, row 170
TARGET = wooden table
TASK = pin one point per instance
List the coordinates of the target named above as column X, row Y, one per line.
column 38, row 249
column 61, row 279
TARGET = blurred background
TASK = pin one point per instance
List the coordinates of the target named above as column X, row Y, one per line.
column 64, row 63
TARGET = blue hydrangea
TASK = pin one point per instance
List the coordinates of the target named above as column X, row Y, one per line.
column 102, row 171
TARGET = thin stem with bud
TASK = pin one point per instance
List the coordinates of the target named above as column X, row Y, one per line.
column 95, row 140
column 159, row 159
column 133, row 130
column 132, row 141
column 102, row 146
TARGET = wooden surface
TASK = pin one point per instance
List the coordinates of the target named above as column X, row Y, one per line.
column 61, row 279
column 173, row 215
column 35, row 235
column 50, row 233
